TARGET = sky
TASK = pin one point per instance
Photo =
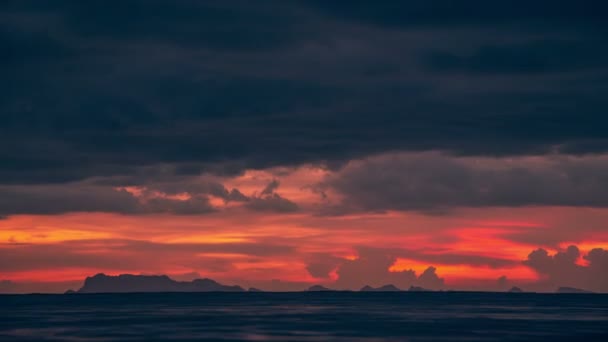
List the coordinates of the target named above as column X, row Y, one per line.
column 282, row 144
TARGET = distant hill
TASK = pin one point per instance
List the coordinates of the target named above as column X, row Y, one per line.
column 385, row 288
column 253, row 289
column 418, row 289
column 318, row 288
column 102, row 283
column 515, row 289
column 566, row 289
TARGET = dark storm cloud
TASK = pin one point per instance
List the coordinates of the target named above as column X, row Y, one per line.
column 468, row 13
column 102, row 88
column 16, row 200
column 65, row 198
column 532, row 57
column 433, row 183
column 152, row 198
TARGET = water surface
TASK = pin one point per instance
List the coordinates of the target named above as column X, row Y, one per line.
column 318, row 316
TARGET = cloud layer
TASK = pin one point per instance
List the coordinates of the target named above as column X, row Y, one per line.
column 431, row 182
column 281, row 143
column 224, row 86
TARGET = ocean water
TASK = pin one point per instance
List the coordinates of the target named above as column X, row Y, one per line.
column 319, row 316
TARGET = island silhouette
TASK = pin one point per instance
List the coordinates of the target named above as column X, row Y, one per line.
column 130, row 283
column 101, row 283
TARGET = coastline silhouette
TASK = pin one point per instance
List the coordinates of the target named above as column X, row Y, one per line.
column 131, row 283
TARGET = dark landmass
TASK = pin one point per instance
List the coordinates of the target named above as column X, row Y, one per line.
column 566, row 289
column 385, row 288
column 318, row 288
column 418, row 289
column 129, row 283
column 123, row 283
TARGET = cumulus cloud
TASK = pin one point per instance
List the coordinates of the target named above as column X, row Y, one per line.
column 320, row 265
column 371, row 267
column 430, row 280
column 564, row 269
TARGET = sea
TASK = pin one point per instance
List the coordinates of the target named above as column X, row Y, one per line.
column 305, row 316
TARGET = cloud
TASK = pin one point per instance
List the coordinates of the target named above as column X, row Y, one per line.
column 563, row 268
column 470, row 13
column 179, row 196
column 502, row 283
column 58, row 199
column 128, row 255
column 322, row 264
column 544, row 56
column 271, row 187
column 431, row 182
column 371, row 267
column 7, row 286
column 430, row 280
column 274, row 202
column 269, row 200
column 291, row 83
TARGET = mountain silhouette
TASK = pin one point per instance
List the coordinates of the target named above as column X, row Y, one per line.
column 318, row 288
column 253, row 289
column 102, row 283
column 515, row 289
column 385, row 288
column 418, row 289
column 566, row 289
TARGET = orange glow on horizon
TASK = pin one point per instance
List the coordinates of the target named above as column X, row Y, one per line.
column 456, row 273
column 237, row 244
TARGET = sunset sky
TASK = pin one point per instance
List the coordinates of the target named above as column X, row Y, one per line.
column 282, row 144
